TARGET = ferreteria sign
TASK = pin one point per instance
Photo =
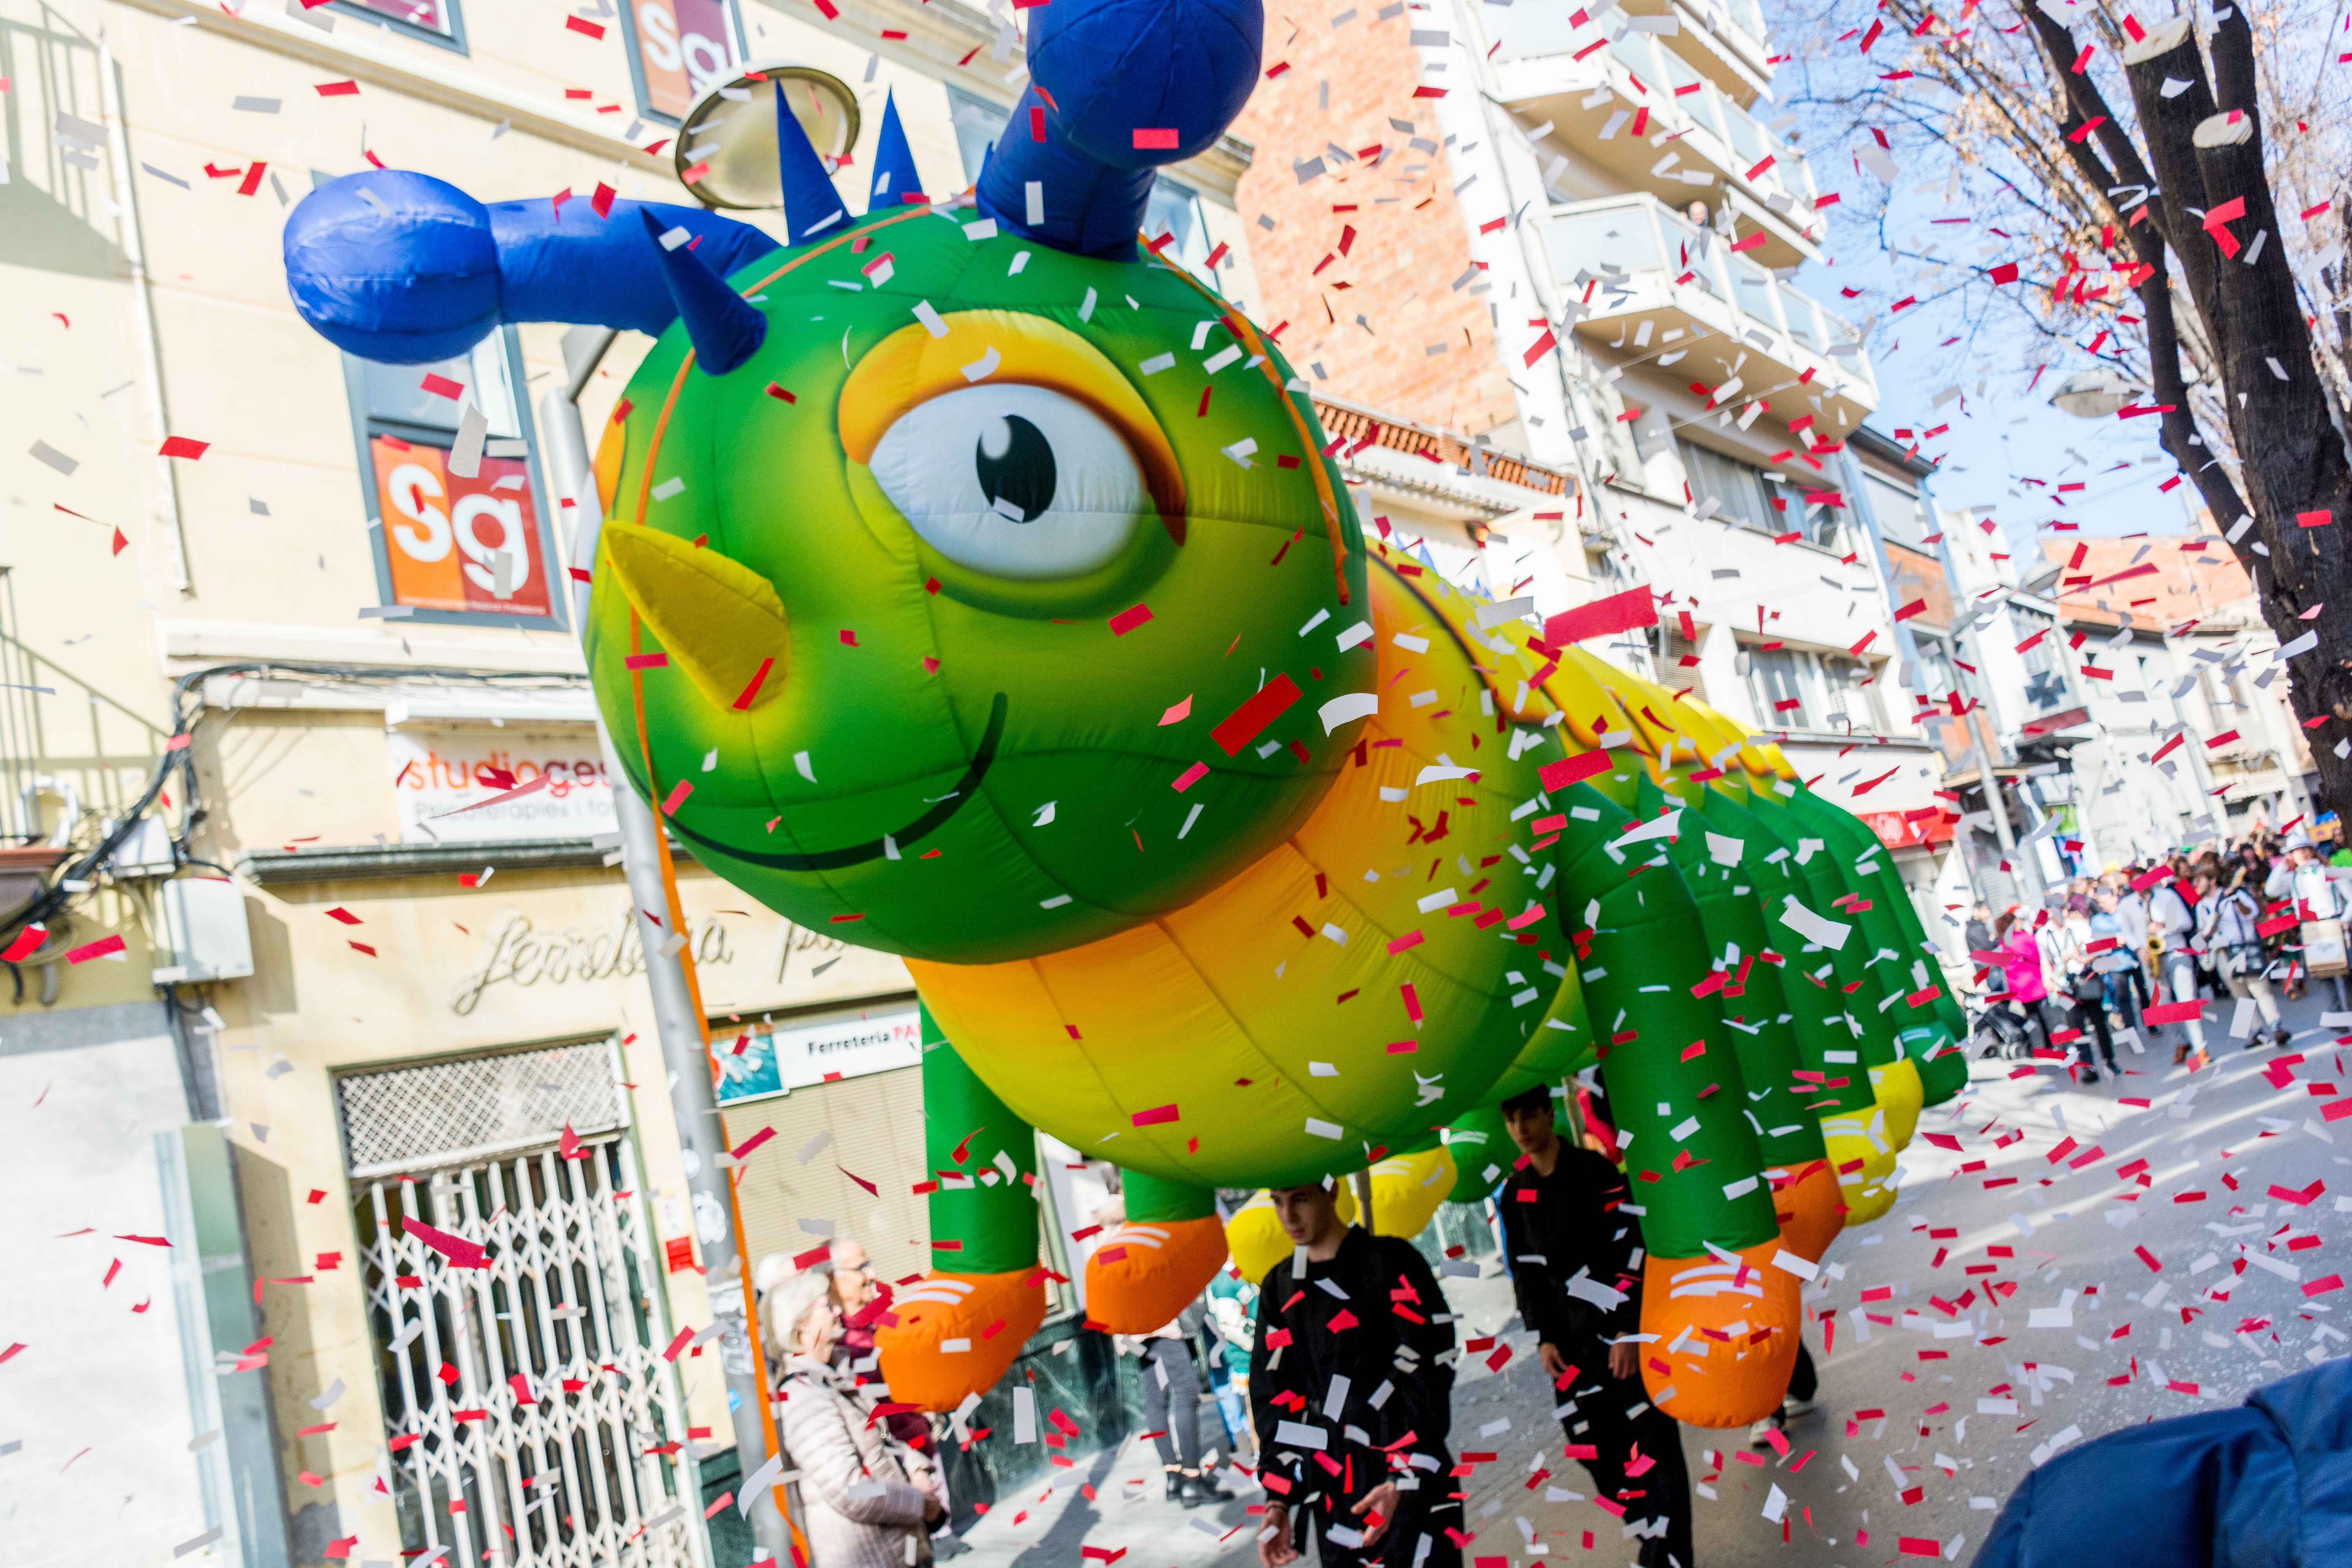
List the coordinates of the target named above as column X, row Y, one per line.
column 516, row 953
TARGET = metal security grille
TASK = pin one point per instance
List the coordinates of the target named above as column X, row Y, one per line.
column 443, row 1113
column 532, row 1418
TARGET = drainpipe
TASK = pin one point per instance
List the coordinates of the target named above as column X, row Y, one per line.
column 677, row 1021
column 135, row 257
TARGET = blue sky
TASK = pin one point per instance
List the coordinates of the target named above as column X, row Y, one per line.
column 2006, row 432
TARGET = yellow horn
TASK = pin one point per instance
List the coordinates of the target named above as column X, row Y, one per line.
column 718, row 621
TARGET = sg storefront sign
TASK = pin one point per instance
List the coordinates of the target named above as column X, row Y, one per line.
column 458, row 544
column 683, row 48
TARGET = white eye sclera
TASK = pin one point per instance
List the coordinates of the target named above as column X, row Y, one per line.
column 1018, row 482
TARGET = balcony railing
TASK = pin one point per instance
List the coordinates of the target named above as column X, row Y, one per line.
column 1351, row 424
column 1713, row 33
column 1628, row 256
column 1692, row 140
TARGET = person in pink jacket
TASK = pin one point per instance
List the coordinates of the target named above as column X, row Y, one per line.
column 2021, row 968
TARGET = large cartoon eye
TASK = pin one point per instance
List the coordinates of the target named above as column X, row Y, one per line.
column 1015, row 481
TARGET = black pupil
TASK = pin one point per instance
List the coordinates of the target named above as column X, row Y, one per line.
column 1020, row 472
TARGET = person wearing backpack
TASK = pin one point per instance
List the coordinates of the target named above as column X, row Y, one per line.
column 2228, row 921
column 2172, row 921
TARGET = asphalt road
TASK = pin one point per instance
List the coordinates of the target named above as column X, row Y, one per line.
column 2024, row 1295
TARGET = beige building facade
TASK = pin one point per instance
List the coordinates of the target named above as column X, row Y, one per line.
column 244, row 687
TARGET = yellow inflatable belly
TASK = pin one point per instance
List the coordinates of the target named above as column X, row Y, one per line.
column 1318, row 1008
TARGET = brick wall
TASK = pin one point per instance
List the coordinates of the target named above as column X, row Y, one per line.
column 1344, row 85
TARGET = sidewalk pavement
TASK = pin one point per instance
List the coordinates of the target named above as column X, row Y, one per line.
column 1921, row 1428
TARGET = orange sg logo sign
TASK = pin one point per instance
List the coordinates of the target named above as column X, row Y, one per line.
column 684, row 46
column 458, row 543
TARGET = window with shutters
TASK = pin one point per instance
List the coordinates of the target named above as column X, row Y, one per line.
column 1775, row 686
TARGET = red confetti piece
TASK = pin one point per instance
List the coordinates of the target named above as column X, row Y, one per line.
column 1617, row 613
column 1569, row 770
column 1246, row 723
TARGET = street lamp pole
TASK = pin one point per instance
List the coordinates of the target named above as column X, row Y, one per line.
column 678, row 1021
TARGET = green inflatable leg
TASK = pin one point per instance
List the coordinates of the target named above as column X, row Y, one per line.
column 955, row 1332
column 1677, row 1092
column 1932, row 1030
column 1482, row 1154
column 983, row 1214
column 1781, row 1099
column 1145, row 1269
column 1851, row 986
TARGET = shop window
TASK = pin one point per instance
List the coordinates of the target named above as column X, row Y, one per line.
column 449, row 546
column 679, row 49
column 436, row 21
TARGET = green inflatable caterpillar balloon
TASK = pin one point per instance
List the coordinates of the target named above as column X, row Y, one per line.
column 979, row 587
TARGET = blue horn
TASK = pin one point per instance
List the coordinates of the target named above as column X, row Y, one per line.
column 725, row 330
column 812, row 206
column 405, row 268
column 895, row 175
column 1105, row 75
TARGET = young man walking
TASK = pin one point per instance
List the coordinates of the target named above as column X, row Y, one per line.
column 1574, row 1261
column 1351, row 1389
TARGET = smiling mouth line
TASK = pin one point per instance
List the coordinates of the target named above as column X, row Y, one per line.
column 858, row 854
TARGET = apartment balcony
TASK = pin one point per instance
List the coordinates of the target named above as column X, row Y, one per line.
column 1642, row 115
column 1648, row 292
column 1724, row 42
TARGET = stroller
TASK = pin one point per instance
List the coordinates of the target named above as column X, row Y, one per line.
column 1996, row 1026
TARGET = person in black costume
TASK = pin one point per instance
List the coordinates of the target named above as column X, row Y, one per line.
column 1575, row 1266
column 1352, row 1384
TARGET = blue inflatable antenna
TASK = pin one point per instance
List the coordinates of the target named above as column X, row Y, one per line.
column 1118, row 90
column 403, row 269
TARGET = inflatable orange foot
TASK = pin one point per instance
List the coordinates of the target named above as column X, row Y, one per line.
column 1144, row 1272
column 956, row 1333
column 1810, row 1209
column 1727, row 1335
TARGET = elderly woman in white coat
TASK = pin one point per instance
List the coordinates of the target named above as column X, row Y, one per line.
column 860, row 1509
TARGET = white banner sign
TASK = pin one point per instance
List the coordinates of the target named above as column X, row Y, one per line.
column 436, row 772
column 801, row 1056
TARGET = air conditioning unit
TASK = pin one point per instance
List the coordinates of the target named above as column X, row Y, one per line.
column 204, row 929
